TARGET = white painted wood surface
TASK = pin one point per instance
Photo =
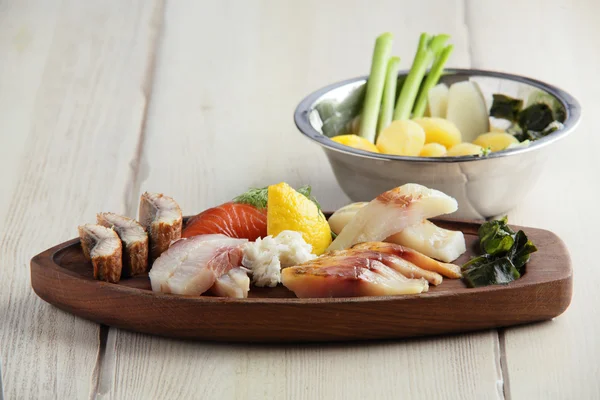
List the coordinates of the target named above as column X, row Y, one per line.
column 72, row 75
column 103, row 100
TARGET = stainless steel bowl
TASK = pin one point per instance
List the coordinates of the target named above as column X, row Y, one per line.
column 484, row 186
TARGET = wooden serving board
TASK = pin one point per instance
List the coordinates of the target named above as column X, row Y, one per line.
column 62, row 277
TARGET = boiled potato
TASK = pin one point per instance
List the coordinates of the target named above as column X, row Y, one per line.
column 401, row 138
column 465, row 149
column 355, row 141
column 433, row 150
column 439, row 130
column 495, row 141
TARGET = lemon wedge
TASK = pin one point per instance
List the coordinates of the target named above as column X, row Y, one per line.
column 290, row 210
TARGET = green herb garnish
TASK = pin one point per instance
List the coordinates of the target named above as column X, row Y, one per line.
column 504, row 258
column 258, row 197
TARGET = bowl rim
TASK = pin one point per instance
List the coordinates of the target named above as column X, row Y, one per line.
column 571, row 105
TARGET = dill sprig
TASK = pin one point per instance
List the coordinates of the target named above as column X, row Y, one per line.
column 258, row 197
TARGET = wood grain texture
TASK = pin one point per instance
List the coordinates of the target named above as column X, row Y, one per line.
column 64, row 277
column 228, row 77
column 555, row 360
column 72, row 74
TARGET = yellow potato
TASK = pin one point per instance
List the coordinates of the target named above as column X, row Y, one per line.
column 496, row 141
column 433, row 150
column 465, row 149
column 355, row 141
column 401, row 138
column 440, row 130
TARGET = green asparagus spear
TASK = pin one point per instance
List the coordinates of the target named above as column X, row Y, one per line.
column 432, row 79
column 389, row 94
column 370, row 111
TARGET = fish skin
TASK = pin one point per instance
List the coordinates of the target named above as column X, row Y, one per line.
column 232, row 219
column 391, row 212
column 191, row 266
column 413, row 256
column 348, row 276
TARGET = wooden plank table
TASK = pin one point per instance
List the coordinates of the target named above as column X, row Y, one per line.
column 103, row 100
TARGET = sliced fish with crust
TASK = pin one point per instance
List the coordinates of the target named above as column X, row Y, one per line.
column 103, row 248
column 161, row 216
column 391, row 212
column 235, row 283
column 413, row 256
column 134, row 242
column 191, row 266
column 398, row 264
column 348, row 276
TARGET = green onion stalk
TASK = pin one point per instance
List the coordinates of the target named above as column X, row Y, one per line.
column 432, row 79
column 375, row 84
column 426, row 51
column 389, row 94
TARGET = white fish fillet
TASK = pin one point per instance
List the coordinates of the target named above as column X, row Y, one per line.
column 191, row 266
column 425, row 237
column 431, row 240
column 235, row 283
column 393, row 211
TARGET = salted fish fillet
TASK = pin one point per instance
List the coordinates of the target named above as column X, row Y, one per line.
column 426, row 237
column 191, row 266
column 413, row 256
column 391, row 212
column 235, row 283
column 348, row 276
column 398, row 264
column 134, row 238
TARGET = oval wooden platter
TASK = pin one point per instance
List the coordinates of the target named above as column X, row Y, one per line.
column 62, row 277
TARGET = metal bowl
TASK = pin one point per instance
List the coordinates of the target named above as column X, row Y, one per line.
column 484, row 186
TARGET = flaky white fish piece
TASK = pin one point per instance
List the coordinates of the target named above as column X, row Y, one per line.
column 348, row 276
column 191, row 266
column 134, row 239
column 235, row 284
column 102, row 246
column 162, row 218
column 391, row 212
column 426, row 237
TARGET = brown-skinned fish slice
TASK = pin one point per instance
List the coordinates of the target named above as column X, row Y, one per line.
column 399, row 264
column 134, row 240
column 161, row 216
column 348, row 276
column 413, row 256
column 103, row 248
